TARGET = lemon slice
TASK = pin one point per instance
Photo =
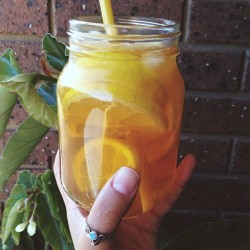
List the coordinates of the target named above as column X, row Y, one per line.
column 99, row 159
column 76, row 108
column 125, row 109
column 116, row 67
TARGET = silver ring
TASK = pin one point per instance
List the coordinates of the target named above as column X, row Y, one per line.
column 96, row 237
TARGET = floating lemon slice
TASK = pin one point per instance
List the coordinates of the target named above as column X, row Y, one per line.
column 125, row 109
column 115, row 67
column 99, row 159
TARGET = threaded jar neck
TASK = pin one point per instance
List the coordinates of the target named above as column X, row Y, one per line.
column 126, row 30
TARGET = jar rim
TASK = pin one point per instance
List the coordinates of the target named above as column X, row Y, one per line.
column 136, row 27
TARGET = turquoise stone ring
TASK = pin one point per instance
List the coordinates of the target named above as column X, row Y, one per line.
column 95, row 237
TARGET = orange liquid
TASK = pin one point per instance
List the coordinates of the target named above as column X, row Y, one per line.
column 120, row 108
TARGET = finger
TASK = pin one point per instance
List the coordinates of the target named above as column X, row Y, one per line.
column 182, row 176
column 114, row 200
column 111, row 204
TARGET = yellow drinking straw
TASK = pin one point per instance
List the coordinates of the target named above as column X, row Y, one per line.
column 107, row 16
column 107, row 12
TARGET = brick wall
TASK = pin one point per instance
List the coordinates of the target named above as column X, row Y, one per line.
column 215, row 62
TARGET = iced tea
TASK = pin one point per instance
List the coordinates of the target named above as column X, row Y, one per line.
column 120, row 104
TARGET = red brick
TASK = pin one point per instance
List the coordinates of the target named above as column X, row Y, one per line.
column 5, row 137
column 24, row 17
column 241, row 157
column 218, row 114
column 212, row 154
column 28, row 54
column 3, row 196
column 207, row 69
column 18, row 116
column 179, row 220
column 220, row 21
column 162, row 8
column 216, row 192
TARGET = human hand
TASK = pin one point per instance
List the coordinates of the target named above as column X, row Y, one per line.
column 113, row 202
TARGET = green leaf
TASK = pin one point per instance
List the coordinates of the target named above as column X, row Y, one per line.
column 56, row 203
column 26, row 178
column 48, row 93
column 49, row 226
column 55, row 52
column 8, row 101
column 20, row 145
column 9, row 245
column 16, row 235
column 39, row 182
column 224, row 234
column 9, row 68
column 8, row 65
column 28, row 208
column 12, row 215
column 34, row 104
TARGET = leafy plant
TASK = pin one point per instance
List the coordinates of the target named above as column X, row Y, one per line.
column 37, row 93
column 35, row 203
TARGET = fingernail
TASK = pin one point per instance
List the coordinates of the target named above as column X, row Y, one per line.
column 125, row 181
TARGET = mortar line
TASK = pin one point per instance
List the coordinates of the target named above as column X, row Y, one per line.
column 210, row 94
column 219, row 176
column 204, row 211
column 186, row 21
column 51, row 11
column 244, row 71
column 213, row 136
column 231, row 156
column 194, row 210
column 217, row 47
column 23, row 38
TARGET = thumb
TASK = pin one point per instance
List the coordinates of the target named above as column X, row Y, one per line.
column 114, row 200
column 111, row 205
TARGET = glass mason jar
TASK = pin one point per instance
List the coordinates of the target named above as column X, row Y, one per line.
column 120, row 101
